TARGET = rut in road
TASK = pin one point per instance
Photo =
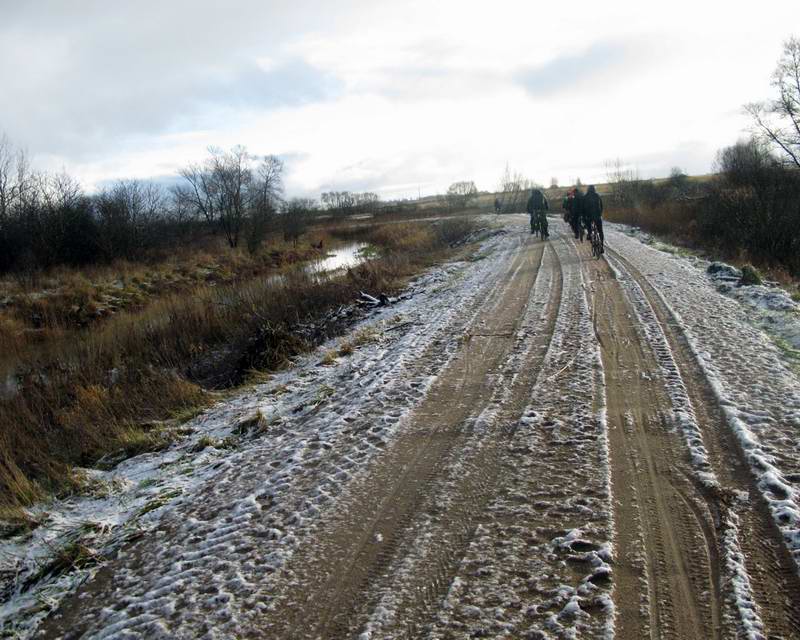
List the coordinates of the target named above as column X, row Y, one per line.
column 538, row 566
column 460, row 485
column 335, row 578
column 735, row 507
column 668, row 569
column 412, row 592
column 219, row 550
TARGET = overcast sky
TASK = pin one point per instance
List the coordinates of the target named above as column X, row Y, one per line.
column 394, row 97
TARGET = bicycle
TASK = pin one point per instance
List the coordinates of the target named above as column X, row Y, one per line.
column 534, row 225
column 597, row 242
column 544, row 231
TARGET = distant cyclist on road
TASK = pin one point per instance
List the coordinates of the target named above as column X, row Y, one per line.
column 537, row 208
column 576, row 213
column 593, row 210
column 566, row 205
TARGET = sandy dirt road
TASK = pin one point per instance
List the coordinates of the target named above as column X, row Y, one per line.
column 558, row 465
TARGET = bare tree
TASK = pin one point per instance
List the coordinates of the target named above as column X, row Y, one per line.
column 221, row 189
column 202, row 190
column 366, row 203
column 778, row 120
column 269, row 182
column 181, row 207
column 295, row 215
column 514, row 188
column 6, row 177
column 340, row 203
column 623, row 181
column 128, row 212
column 16, row 177
column 460, row 193
column 232, row 178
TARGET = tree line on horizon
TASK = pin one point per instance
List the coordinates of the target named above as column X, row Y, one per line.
column 750, row 208
column 48, row 219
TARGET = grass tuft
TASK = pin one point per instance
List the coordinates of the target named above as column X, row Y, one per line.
column 750, row 275
column 203, row 443
column 72, row 556
column 252, row 424
column 329, row 358
column 160, row 501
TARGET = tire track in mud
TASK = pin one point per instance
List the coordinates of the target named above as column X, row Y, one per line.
column 538, row 564
column 420, row 581
column 662, row 540
column 331, row 581
column 290, row 473
column 735, row 509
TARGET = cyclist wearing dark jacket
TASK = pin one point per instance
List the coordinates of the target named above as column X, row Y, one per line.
column 576, row 214
column 593, row 210
column 536, row 203
column 566, row 205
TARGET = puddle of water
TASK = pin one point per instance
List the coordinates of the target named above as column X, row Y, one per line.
column 338, row 259
column 9, row 386
column 344, row 257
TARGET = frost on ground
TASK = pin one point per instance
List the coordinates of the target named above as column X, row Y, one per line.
column 220, row 521
column 737, row 581
column 555, row 509
column 766, row 305
column 537, row 563
column 683, row 413
column 759, row 393
column 513, row 536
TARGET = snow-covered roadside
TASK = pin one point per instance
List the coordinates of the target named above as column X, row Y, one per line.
column 281, row 451
column 768, row 306
column 758, row 392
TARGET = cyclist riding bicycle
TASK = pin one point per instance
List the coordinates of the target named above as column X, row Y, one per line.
column 566, row 205
column 593, row 210
column 537, row 203
column 544, row 230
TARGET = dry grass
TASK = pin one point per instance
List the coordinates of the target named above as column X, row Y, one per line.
column 329, row 358
column 96, row 394
column 678, row 223
column 345, row 349
column 674, row 221
column 255, row 423
column 63, row 299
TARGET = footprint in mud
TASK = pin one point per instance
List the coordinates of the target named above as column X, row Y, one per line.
column 582, row 546
column 601, row 575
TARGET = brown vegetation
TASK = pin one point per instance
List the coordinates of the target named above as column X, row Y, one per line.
column 61, row 299
column 747, row 213
column 107, row 391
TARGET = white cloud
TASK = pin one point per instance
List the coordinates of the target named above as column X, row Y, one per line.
column 394, row 97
